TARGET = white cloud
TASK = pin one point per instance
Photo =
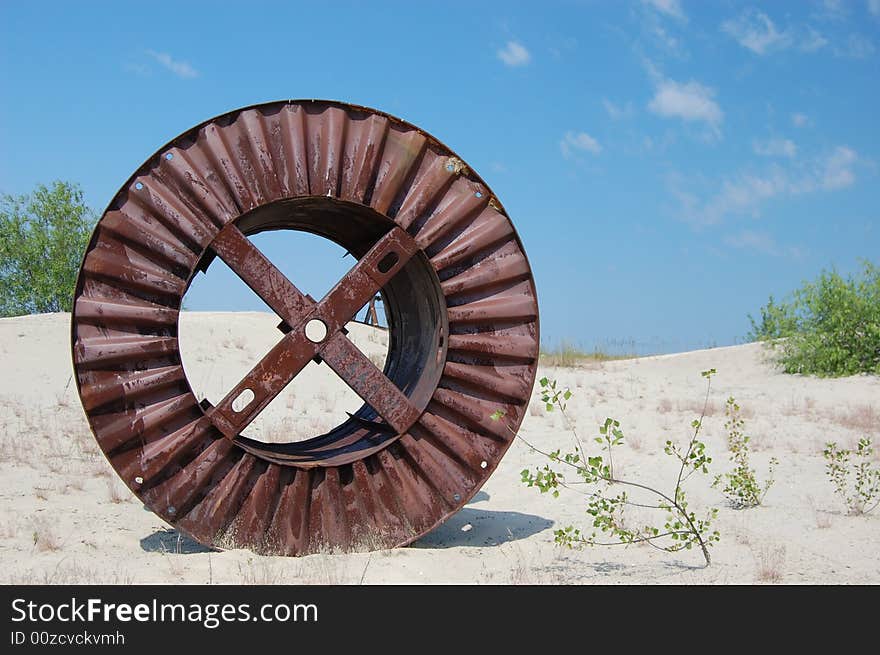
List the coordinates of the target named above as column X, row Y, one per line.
column 745, row 193
column 856, row 47
column 617, row 112
column 761, row 242
column 754, row 30
column 180, row 68
column 578, row 141
column 800, row 120
column 837, row 169
column 831, row 10
column 752, row 240
column 775, row 148
column 563, row 46
column 812, row 40
column 690, row 101
column 665, row 38
column 514, row 54
column 668, row 7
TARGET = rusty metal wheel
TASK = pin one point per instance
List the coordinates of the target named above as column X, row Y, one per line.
column 428, row 235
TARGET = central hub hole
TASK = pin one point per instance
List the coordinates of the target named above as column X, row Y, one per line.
column 316, row 330
column 225, row 330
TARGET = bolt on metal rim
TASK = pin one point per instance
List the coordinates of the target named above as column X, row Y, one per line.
column 427, row 233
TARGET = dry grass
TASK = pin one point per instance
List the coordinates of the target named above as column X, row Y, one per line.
column 238, row 343
column 325, row 401
column 860, row 418
column 14, row 449
column 76, row 483
column 282, row 432
column 635, row 441
column 804, row 407
column 9, row 528
column 746, row 412
column 697, row 407
column 822, row 518
column 567, row 355
column 521, row 571
column 325, row 569
column 116, row 492
column 45, row 537
column 68, row 573
column 769, row 562
column 743, row 537
column 319, row 569
column 101, row 469
column 262, row 571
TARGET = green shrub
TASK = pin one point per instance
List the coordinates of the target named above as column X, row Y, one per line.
column 43, row 236
column 829, row 327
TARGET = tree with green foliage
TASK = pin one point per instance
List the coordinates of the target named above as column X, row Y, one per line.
column 829, row 327
column 42, row 239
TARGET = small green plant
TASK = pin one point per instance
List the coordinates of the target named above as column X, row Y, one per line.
column 741, row 485
column 681, row 530
column 830, row 327
column 859, row 489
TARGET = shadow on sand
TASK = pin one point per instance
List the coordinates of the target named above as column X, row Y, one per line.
column 469, row 527
column 173, row 542
column 482, row 527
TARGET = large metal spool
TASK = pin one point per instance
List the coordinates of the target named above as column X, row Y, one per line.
column 429, row 236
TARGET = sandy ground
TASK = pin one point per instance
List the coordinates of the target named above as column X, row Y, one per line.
column 66, row 518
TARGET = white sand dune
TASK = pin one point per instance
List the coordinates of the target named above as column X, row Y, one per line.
column 66, row 518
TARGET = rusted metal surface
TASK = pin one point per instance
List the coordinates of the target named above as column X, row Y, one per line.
column 429, row 237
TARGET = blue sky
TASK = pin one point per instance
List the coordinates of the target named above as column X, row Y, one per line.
column 667, row 163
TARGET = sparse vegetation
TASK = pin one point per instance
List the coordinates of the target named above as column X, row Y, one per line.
column 44, row 536
column 858, row 487
column 830, row 327
column 682, row 529
column 741, row 485
column 567, row 355
column 770, row 560
column 116, row 492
